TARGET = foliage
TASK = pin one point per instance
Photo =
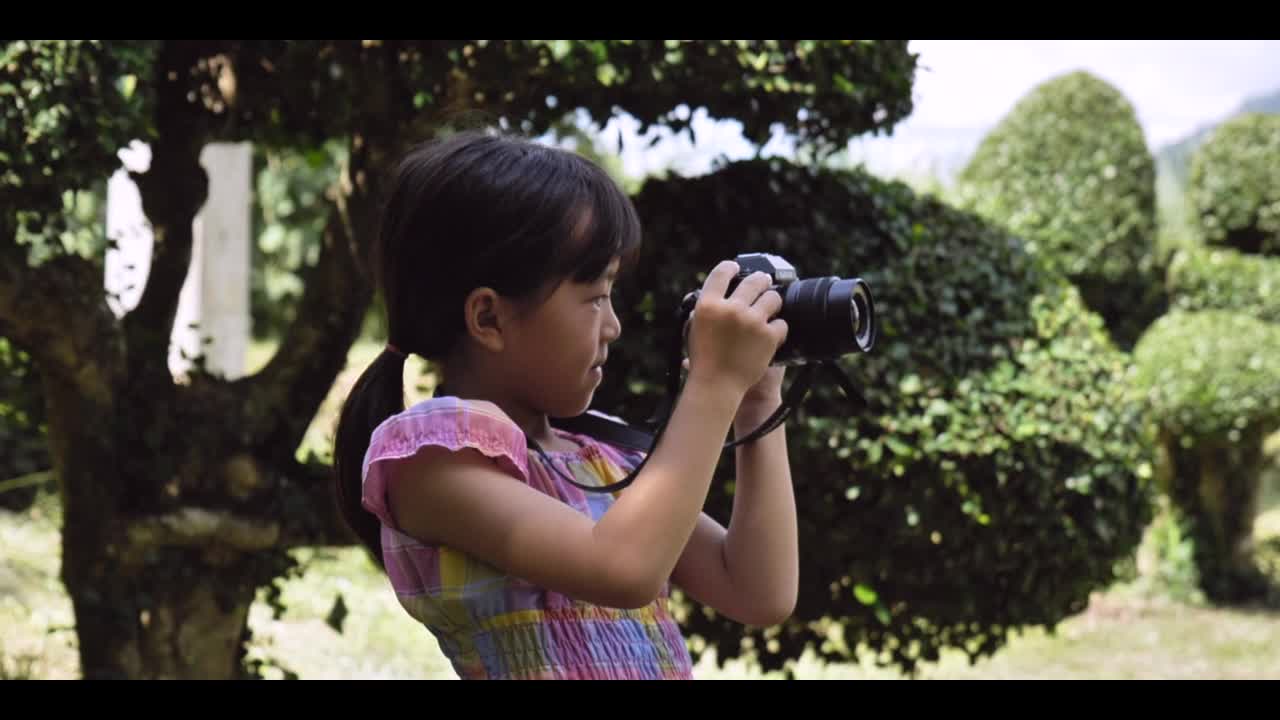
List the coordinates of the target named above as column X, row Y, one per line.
column 1210, row 373
column 1210, row 382
column 1220, row 278
column 66, row 108
column 1235, row 184
column 1068, row 169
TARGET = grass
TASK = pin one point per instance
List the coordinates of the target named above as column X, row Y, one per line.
column 35, row 611
column 1123, row 634
column 375, row 640
column 1114, row 639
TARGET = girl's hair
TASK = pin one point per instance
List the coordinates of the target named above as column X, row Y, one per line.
column 475, row 209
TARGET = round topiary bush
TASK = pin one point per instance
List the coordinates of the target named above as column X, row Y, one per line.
column 993, row 479
column 1219, row 278
column 1069, row 170
column 1234, row 184
column 1211, row 383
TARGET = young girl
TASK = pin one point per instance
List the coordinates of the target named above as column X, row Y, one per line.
column 497, row 257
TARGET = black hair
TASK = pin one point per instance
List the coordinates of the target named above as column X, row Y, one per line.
column 474, row 209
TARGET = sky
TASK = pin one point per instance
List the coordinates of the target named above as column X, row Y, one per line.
column 964, row 87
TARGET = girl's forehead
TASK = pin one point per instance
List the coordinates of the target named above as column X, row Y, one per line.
column 609, row 273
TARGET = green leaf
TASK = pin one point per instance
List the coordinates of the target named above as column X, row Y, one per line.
column 910, row 385
column 606, row 73
column 865, row 594
column 882, row 614
column 128, row 84
column 337, row 614
column 898, row 447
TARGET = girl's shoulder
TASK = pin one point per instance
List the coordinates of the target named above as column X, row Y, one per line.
column 448, row 422
column 452, row 422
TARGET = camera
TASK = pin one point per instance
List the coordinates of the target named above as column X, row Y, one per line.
column 826, row 316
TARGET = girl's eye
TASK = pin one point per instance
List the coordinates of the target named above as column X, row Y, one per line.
column 598, row 300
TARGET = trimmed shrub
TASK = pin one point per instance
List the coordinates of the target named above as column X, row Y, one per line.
column 991, row 482
column 1211, row 383
column 1069, row 170
column 1235, row 184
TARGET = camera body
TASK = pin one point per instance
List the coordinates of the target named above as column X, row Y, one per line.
column 826, row 317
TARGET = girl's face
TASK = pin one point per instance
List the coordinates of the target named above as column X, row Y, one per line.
column 558, row 348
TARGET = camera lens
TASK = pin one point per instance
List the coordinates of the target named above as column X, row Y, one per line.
column 861, row 316
column 827, row 317
column 853, row 313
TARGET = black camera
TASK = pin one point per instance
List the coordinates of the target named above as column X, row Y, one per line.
column 826, row 316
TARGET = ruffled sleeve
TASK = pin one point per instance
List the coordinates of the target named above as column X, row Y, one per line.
column 447, row 422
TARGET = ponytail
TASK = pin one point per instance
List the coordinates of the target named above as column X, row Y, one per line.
column 377, row 395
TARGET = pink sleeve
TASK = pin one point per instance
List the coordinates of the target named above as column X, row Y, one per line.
column 445, row 422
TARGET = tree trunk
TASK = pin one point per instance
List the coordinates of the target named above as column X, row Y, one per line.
column 1216, row 482
column 180, row 501
column 164, row 545
column 174, row 617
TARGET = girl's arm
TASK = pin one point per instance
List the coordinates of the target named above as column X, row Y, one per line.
column 460, row 499
column 750, row 572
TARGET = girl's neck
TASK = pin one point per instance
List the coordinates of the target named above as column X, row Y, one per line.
column 533, row 422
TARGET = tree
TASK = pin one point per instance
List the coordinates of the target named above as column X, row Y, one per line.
column 1069, row 170
column 1235, row 184
column 1211, row 383
column 181, row 500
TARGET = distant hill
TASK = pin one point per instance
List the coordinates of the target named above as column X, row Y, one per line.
column 1173, row 161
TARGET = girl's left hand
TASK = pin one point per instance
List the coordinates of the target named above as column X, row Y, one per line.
column 765, row 395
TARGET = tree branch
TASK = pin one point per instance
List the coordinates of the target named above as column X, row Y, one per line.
column 281, row 399
column 198, row 527
column 280, row 509
column 173, row 190
column 58, row 313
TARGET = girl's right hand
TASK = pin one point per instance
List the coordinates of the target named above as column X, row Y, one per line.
column 732, row 340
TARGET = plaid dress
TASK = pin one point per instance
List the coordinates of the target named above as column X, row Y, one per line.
column 492, row 625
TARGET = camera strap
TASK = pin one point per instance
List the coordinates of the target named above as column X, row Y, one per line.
column 612, row 430
column 606, row 428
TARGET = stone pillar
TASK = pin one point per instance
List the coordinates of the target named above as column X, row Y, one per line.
column 213, row 309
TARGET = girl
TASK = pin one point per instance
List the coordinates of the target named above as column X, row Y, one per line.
column 497, row 257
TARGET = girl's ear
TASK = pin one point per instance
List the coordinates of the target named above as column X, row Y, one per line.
column 486, row 314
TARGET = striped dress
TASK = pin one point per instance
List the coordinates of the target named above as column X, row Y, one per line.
column 495, row 626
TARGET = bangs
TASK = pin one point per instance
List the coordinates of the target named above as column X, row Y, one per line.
column 605, row 226
column 538, row 216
